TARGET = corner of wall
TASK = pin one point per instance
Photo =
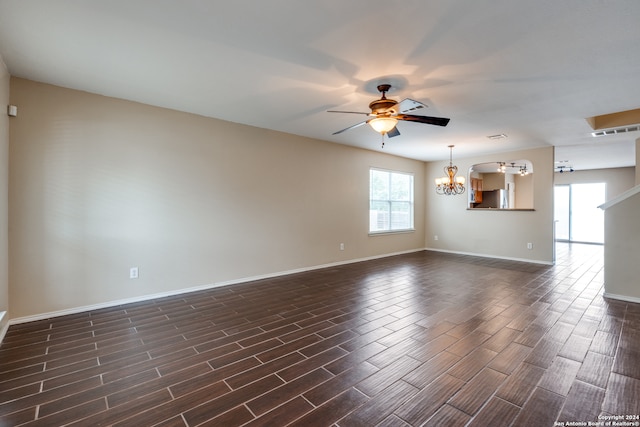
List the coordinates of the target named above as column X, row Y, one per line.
column 4, row 200
column 637, row 171
column 4, row 325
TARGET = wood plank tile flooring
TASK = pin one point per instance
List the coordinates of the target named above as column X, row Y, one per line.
column 418, row 339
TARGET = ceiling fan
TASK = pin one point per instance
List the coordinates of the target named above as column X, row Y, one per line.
column 385, row 114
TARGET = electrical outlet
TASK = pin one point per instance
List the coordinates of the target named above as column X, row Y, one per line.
column 529, row 245
column 133, row 273
column 435, row 237
column 342, row 246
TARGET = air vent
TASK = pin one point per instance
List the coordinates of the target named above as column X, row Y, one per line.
column 417, row 107
column 616, row 131
column 498, row 136
column 408, row 105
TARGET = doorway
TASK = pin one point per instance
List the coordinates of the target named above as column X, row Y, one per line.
column 576, row 214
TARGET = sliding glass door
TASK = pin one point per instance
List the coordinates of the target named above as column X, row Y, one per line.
column 562, row 213
column 577, row 216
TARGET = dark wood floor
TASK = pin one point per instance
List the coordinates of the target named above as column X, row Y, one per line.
column 418, row 339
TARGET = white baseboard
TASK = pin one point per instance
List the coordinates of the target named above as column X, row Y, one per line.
column 74, row 310
column 531, row 261
column 624, row 298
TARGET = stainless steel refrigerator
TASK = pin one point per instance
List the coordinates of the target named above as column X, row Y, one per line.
column 497, row 199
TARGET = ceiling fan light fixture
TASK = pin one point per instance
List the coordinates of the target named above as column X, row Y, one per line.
column 383, row 124
column 385, row 114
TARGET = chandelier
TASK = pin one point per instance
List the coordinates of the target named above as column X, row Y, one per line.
column 450, row 185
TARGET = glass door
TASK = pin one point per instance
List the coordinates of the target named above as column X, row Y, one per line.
column 562, row 213
column 576, row 213
column 587, row 221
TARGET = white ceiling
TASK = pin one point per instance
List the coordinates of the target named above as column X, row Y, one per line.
column 533, row 70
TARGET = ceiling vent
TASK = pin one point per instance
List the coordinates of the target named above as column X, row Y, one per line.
column 498, row 136
column 615, row 131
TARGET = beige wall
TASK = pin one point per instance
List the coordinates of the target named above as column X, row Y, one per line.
column 502, row 234
column 492, row 181
column 524, row 191
column 637, row 178
column 622, row 249
column 99, row 185
column 617, row 180
column 622, row 246
column 4, row 198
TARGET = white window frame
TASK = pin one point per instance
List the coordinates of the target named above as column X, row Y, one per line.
column 386, row 217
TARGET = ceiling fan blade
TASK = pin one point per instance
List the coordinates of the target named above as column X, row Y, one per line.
column 393, row 132
column 438, row 121
column 348, row 112
column 408, row 105
column 350, row 127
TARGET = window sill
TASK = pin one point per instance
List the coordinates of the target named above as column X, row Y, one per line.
column 382, row 233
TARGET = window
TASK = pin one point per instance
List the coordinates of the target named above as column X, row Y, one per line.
column 390, row 201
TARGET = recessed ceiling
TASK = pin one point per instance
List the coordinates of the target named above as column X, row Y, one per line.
column 533, row 71
column 615, row 120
